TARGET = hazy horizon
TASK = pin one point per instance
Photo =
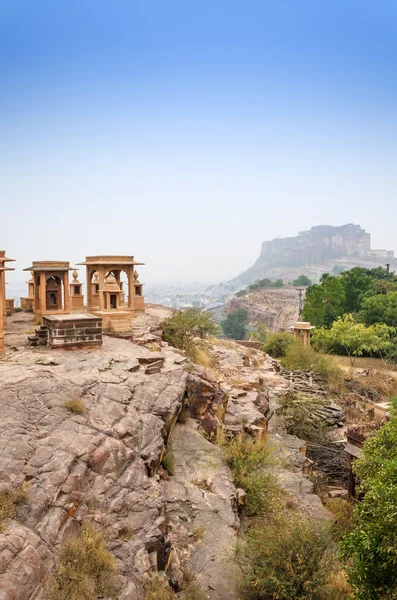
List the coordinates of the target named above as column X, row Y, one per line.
column 187, row 134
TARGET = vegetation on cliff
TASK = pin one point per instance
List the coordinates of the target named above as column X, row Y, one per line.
column 86, row 568
column 283, row 555
column 371, row 547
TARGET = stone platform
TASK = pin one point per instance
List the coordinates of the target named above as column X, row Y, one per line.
column 73, row 331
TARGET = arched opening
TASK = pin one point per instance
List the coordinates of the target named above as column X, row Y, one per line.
column 93, row 290
column 54, row 293
column 125, row 290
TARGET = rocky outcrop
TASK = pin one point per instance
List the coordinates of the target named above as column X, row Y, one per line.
column 103, row 464
column 201, row 507
column 277, row 308
column 96, row 465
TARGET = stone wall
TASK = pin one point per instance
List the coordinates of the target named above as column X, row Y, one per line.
column 74, row 331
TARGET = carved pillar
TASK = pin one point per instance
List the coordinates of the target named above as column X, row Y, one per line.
column 66, row 306
column 89, row 288
column 36, row 303
column 101, row 287
column 43, row 291
column 131, row 287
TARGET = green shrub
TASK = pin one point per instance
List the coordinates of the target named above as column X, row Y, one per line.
column 248, row 458
column 371, row 547
column 85, row 568
column 168, row 461
column 277, row 344
column 286, row 559
column 184, row 328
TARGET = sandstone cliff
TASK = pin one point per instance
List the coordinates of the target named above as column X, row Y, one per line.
column 277, row 308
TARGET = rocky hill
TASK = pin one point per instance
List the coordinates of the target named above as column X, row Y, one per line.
column 102, row 464
column 277, row 308
column 314, row 252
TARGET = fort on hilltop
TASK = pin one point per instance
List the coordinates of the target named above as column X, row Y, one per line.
column 320, row 243
column 315, row 251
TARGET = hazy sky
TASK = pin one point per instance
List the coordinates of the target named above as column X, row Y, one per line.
column 187, row 132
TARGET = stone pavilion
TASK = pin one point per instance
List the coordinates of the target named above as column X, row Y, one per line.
column 51, row 288
column 27, row 302
column 106, row 296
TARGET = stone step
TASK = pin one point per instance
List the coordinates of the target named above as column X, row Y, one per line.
column 120, row 325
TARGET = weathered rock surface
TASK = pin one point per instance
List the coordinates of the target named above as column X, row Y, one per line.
column 201, row 506
column 103, row 464
column 96, row 464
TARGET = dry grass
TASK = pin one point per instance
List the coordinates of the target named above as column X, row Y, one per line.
column 203, row 484
column 75, row 406
column 156, row 589
column 126, row 533
column 194, row 591
column 343, row 512
column 85, row 570
column 339, row 586
column 10, row 498
column 200, row 356
column 198, row 534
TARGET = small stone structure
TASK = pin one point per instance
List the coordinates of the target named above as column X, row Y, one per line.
column 3, row 304
column 106, row 297
column 27, row 302
column 73, row 331
column 10, row 307
column 76, row 293
column 51, row 288
column 302, row 331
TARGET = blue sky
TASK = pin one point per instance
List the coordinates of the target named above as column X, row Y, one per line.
column 187, row 133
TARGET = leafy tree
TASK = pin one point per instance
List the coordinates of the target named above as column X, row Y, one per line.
column 354, row 338
column 371, row 547
column 356, row 283
column 235, row 324
column 379, row 309
column 302, row 280
column 324, row 302
column 184, row 327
